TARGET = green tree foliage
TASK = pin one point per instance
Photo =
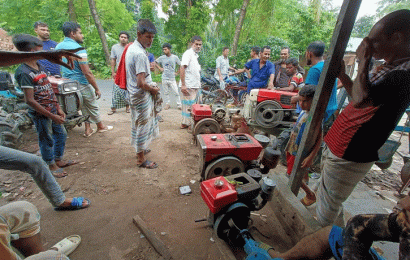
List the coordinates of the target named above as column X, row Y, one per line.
column 186, row 19
column 363, row 25
column 19, row 17
column 292, row 23
column 388, row 6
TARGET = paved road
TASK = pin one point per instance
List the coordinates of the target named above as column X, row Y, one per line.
column 106, row 90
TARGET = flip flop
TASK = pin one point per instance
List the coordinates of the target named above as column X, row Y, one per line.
column 148, row 165
column 108, row 128
column 147, row 151
column 68, row 244
column 184, row 126
column 128, row 110
column 59, row 173
column 68, row 163
column 90, row 134
column 76, row 203
column 111, row 112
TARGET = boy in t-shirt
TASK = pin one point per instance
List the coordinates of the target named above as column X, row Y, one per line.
column 295, row 82
column 306, row 96
column 44, row 109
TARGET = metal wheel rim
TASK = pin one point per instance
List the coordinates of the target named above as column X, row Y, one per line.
column 239, row 213
column 218, row 96
column 266, row 114
column 224, row 167
column 207, row 126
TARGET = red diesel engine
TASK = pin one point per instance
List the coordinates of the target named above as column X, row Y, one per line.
column 226, row 154
column 207, row 120
column 231, row 199
column 269, row 108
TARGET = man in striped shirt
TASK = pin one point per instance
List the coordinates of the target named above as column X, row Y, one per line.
column 378, row 101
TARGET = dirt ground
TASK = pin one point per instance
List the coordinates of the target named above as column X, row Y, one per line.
column 119, row 190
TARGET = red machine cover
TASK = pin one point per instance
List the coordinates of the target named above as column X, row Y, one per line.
column 218, row 196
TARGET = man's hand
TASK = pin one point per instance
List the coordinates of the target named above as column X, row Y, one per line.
column 61, row 113
column 342, row 69
column 404, row 203
column 307, row 162
column 56, row 56
column 113, row 74
column 365, row 51
column 98, row 93
column 58, row 119
column 184, row 90
column 154, row 90
column 221, row 79
column 270, row 86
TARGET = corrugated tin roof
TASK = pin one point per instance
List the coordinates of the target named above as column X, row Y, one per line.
column 353, row 44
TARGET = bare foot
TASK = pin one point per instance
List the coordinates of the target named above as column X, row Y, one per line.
column 65, row 163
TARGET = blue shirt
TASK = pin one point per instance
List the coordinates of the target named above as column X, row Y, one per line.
column 312, row 78
column 151, row 57
column 76, row 73
column 53, row 68
column 260, row 76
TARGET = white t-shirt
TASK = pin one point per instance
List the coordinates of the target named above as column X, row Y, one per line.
column 193, row 70
column 222, row 64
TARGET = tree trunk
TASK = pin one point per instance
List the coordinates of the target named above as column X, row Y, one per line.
column 317, row 8
column 239, row 27
column 71, row 11
column 100, row 30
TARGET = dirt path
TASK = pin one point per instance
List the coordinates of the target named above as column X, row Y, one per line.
column 119, row 190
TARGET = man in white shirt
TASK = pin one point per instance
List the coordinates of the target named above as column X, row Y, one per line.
column 222, row 67
column 190, row 79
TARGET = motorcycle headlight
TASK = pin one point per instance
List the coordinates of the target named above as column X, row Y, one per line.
column 70, row 87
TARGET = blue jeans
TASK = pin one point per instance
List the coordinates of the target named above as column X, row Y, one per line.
column 11, row 159
column 51, row 138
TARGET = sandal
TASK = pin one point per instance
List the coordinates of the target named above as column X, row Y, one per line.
column 67, row 163
column 147, row 151
column 128, row 110
column 148, row 165
column 76, row 203
column 184, row 126
column 111, row 112
column 90, row 134
column 59, row 173
column 68, row 244
column 107, row 128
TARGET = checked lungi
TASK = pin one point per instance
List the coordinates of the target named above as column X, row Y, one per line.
column 120, row 97
column 144, row 122
column 187, row 102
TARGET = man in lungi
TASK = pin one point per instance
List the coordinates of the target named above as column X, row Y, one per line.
column 119, row 96
column 190, row 79
column 142, row 91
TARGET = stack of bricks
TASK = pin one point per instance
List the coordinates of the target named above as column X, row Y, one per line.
column 6, row 43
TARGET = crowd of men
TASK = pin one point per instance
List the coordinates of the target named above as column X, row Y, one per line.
column 379, row 98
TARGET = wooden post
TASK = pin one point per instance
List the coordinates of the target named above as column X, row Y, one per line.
column 341, row 35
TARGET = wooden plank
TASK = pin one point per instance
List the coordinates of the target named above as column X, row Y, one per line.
column 158, row 245
column 341, row 35
column 294, row 218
